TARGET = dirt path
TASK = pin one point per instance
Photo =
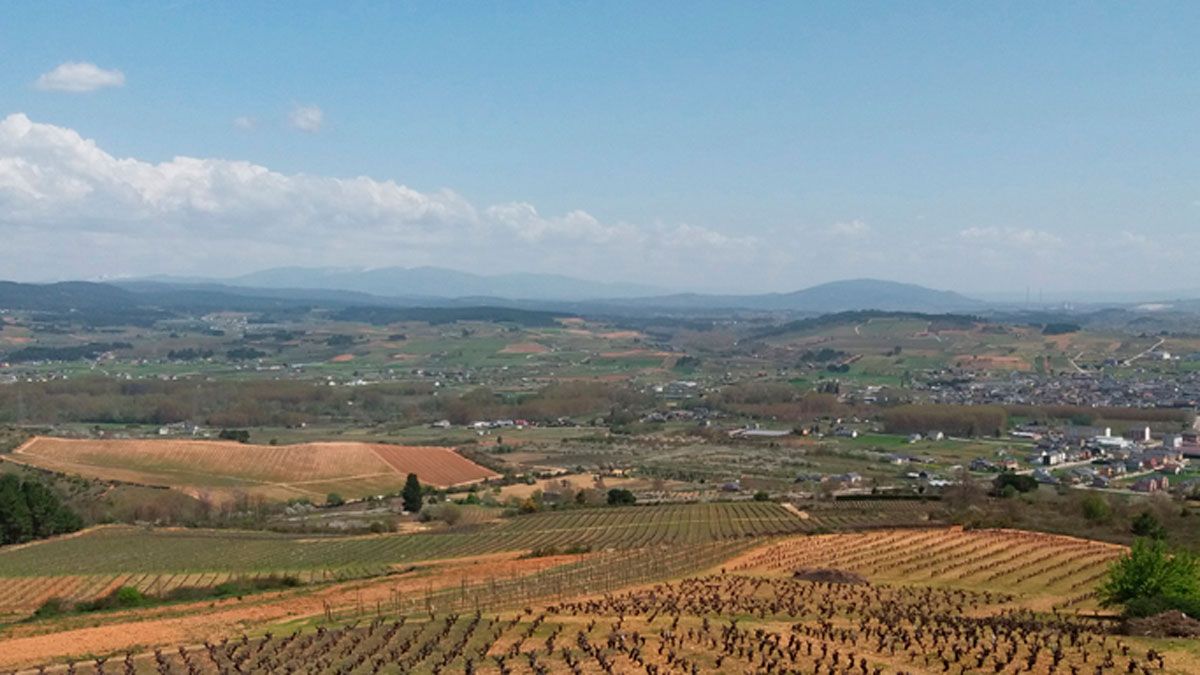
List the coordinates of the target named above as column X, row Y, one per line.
column 140, row 631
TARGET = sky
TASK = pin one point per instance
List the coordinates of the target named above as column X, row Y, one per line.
column 734, row 147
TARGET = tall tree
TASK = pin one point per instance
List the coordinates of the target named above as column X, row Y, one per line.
column 412, row 494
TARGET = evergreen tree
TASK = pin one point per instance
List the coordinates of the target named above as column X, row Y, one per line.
column 412, row 494
column 30, row 510
column 16, row 523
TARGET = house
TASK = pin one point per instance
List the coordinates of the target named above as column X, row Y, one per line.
column 845, row 432
column 982, row 465
column 1138, row 434
column 1111, row 442
column 1050, row 457
column 1151, row 484
column 1022, row 433
column 913, row 438
column 1044, row 476
column 935, row 436
column 1078, row 434
column 759, row 433
column 1109, row 469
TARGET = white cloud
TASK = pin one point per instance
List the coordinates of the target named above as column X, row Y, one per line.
column 850, row 228
column 307, row 118
column 244, row 123
column 64, row 199
column 78, row 77
column 1011, row 236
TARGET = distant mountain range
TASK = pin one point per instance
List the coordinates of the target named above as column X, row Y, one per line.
column 430, row 282
column 428, row 285
column 836, row 296
column 437, row 288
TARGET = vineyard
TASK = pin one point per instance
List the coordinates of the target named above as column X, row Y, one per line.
column 1030, row 564
column 86, row 566
column 687, row 627
column 274, row 471
column 926, row 600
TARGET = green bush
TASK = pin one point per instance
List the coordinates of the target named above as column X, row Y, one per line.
column 621, row 497
column 1016, row 481
column 1152, row 579
column 1096, row 508
column 1146, row 525
column 51, row 608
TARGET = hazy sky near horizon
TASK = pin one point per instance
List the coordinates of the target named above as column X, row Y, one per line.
column 703, row 146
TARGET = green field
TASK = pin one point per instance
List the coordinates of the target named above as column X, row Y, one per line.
column 132, row 549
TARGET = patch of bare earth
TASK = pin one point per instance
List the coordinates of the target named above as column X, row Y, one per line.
column 525, row 348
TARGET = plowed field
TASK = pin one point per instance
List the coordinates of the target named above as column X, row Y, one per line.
column 279, row 472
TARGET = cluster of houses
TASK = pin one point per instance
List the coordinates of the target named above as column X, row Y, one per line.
column 1143, row 390
column 1095, row 457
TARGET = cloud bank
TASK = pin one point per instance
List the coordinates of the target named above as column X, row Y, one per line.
column 69, row 209
column 66, row 200
column 78, row 77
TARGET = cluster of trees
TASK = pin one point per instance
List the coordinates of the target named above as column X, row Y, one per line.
column 1072, row 412
column 87, row 351
column 29, row 510
column 823, row 355
column 560, row 399
column 211, row 403
column 189, row 354
column 1061, row 328
column 957, row 420
column 778, row 400
column 244, row 354
column 1010, row 484
column 239, row 435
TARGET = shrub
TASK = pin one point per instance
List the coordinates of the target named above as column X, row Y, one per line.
column 1016, row 481
column 334, row 499
column 449, row 513
column 621, row 497
column 122, row 598
column 1152, row 579
column 51, row 608
column 1146, row 525
column 1095, row 508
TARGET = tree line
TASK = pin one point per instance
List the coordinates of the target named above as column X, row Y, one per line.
column 956, row 420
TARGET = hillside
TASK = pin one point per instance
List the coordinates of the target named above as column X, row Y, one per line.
column 836, row 296
column 439, row 282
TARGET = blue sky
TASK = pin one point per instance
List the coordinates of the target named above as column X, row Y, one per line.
column 732, row 146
